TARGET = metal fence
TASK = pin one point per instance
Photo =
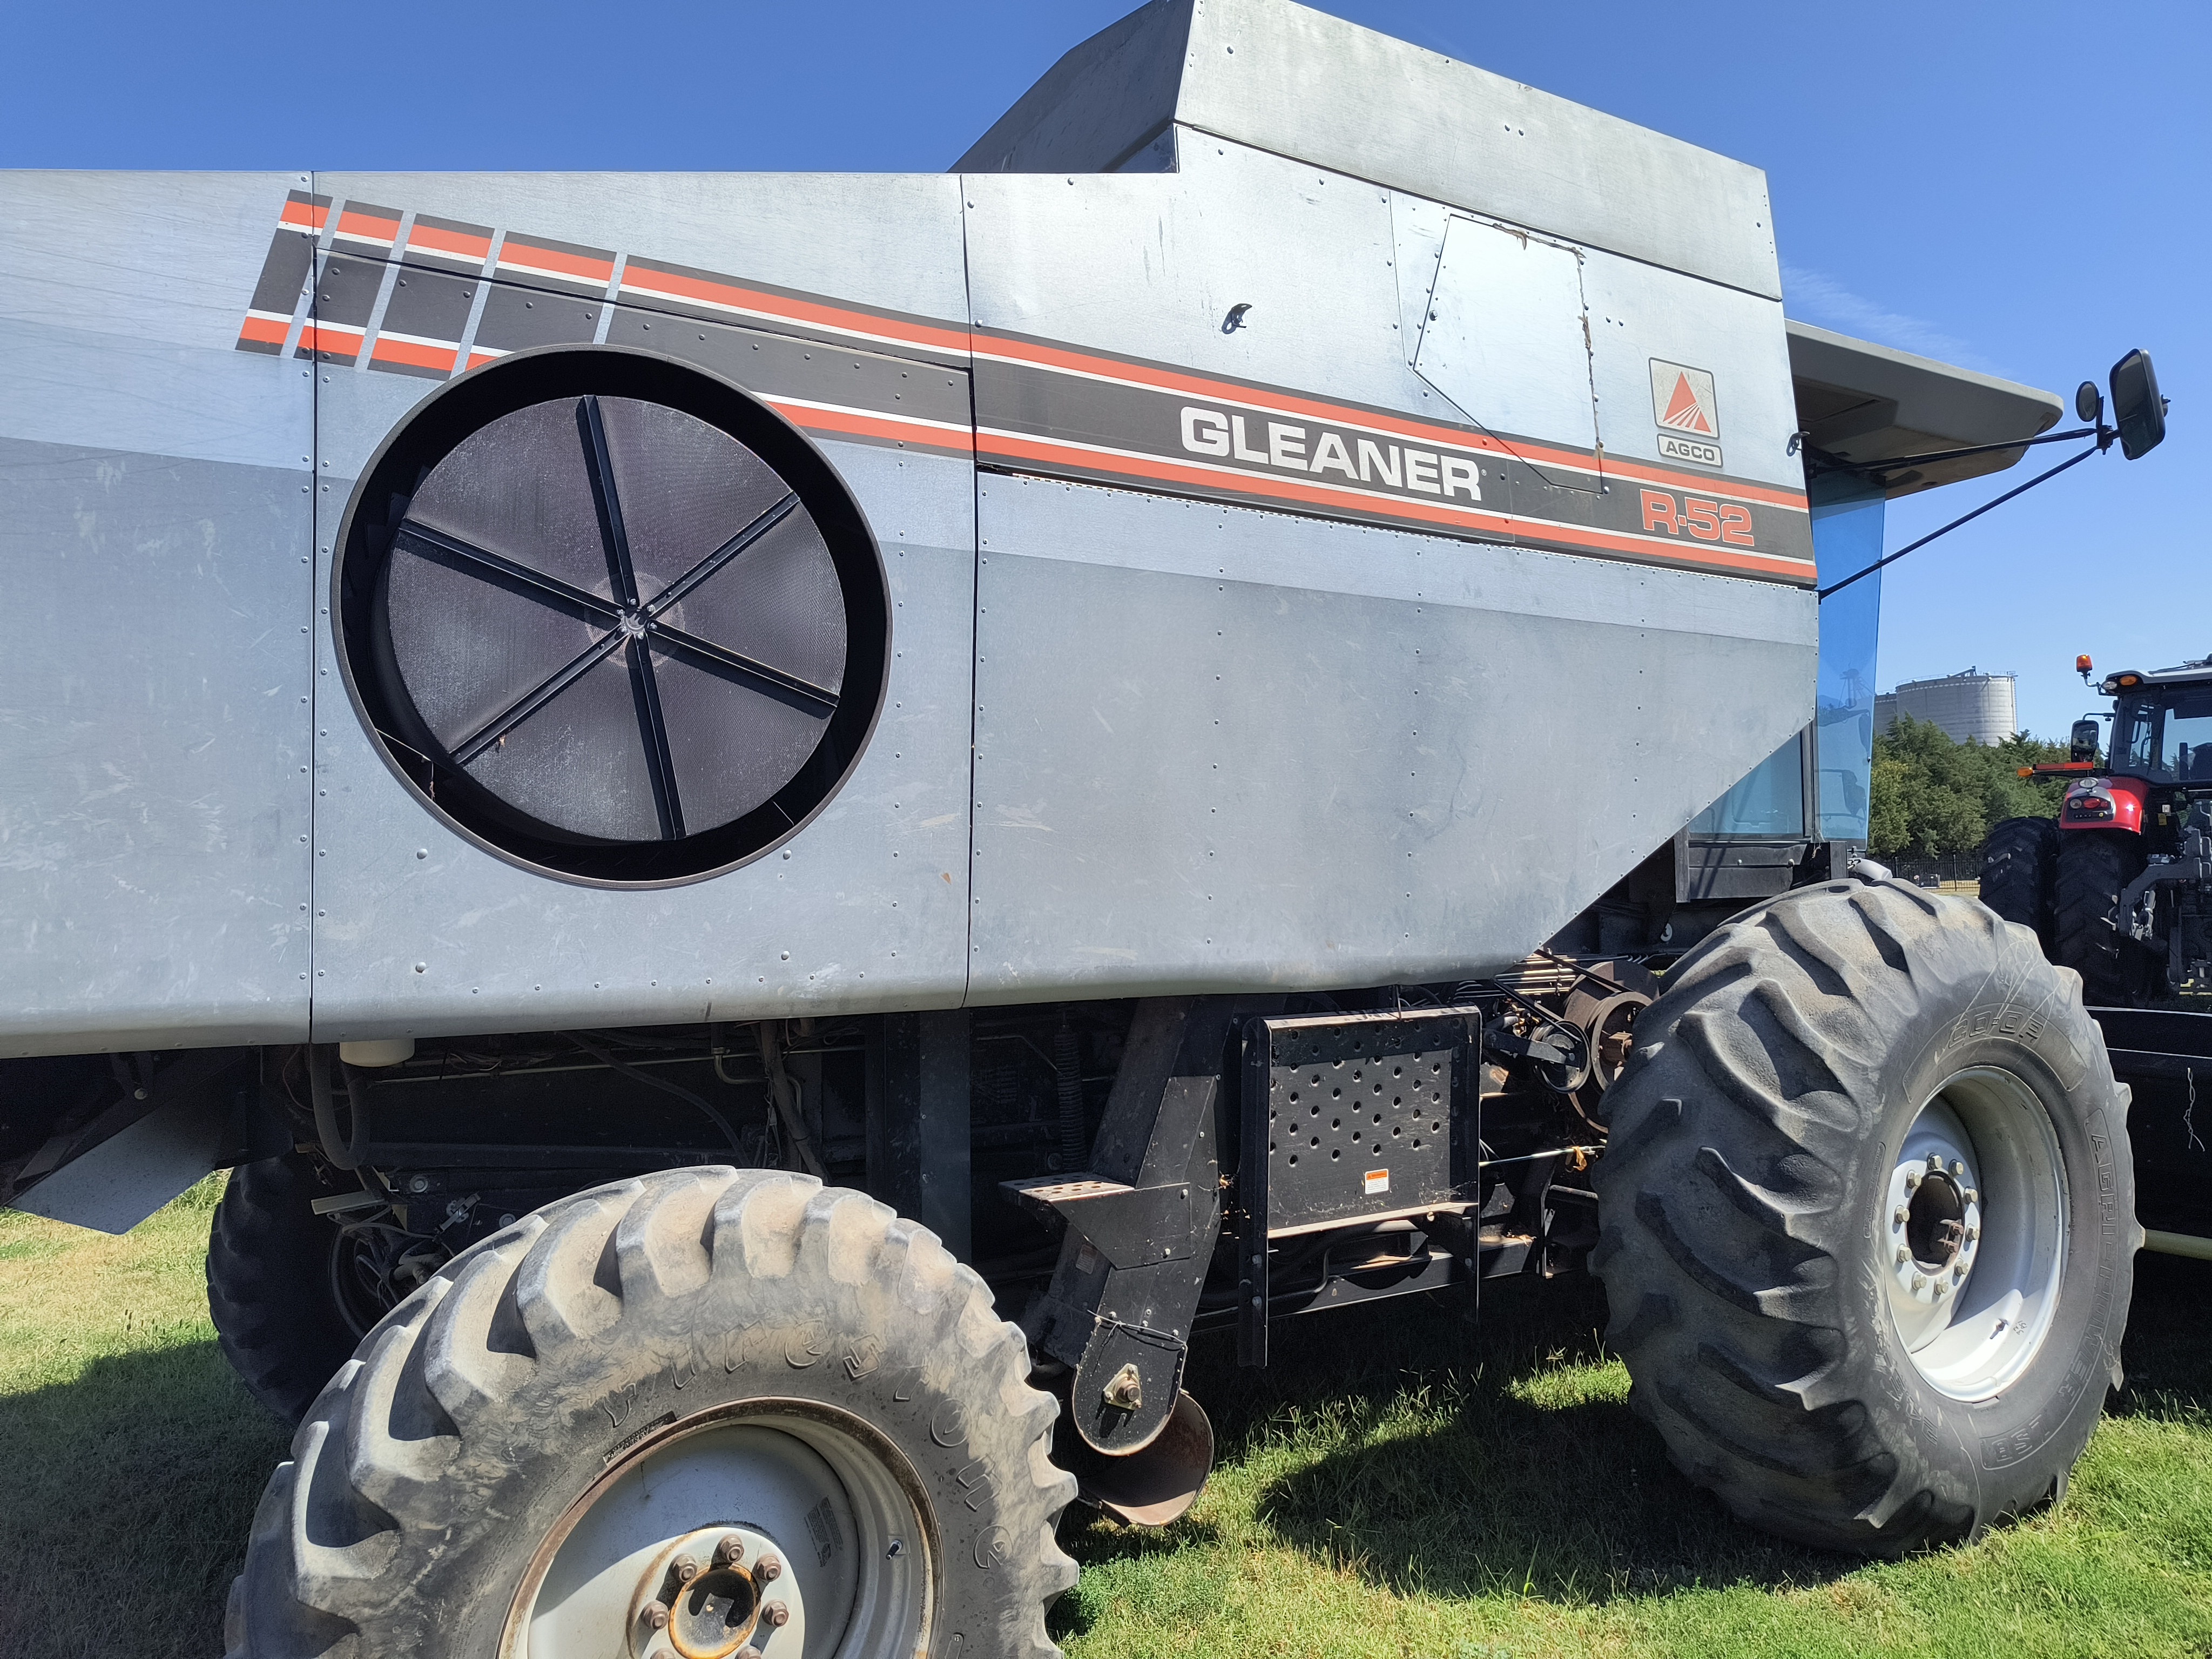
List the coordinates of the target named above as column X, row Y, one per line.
column 1947, row 867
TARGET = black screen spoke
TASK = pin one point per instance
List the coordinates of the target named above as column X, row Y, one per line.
column 673, row 594
column 803, row 695
column 592, row 427
column 455, row 554
column 535, row 699
column 660, row 764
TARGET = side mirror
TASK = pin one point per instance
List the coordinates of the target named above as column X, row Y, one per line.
column 2085, row 741
column 2137, row 410
column 2089, row 403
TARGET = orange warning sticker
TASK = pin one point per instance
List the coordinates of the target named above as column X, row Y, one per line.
column 1379, row 1181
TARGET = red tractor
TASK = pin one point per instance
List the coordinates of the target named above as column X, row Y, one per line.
column 2119, row 886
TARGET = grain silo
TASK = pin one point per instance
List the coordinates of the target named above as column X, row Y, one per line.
column 1967, row 705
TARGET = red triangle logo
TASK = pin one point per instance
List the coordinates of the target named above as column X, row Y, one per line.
column 1682, row 410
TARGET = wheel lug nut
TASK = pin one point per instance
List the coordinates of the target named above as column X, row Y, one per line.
column 1970, row 1197
column 1900, row 1215
column 1919, row 1281
column 1912, row 1181
column 1904, row 1256
column 748, row 1652
column 732, row 1548
column 775, row 1615
column 1957, row 1168
column 686, row 1568
column 768, row 1569
column 1973, row 1233
column 656, row 1616
column 1940, row 1288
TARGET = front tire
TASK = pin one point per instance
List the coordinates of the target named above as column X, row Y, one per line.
column 1768, row 1163
column 698, row 1362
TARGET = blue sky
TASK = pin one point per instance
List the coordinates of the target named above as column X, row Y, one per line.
column 2023, row 188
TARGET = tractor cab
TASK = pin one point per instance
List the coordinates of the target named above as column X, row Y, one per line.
column 2159, row 760
column 2162, row 725
column 2120, row 887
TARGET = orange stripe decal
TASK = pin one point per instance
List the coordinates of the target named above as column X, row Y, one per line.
column 1511, row 528
column 1154, row 378
column 332, row 338
column 369, row 227
column 389, row 350
column 861, row 423
column 529, row 255
column 430, row 239
column 729, row 295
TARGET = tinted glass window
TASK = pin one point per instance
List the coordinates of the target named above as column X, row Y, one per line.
column 1769, row 802
column 2169, row 737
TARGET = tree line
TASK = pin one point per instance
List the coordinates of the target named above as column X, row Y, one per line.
column 1931, row 796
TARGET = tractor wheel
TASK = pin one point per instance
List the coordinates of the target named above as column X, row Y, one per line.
column 1868, row 1219
column 2095, row 868
column 285, row 1287
column 2020, row 866
column 696, row 1412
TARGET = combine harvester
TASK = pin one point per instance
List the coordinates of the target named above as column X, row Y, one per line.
column 713, row 785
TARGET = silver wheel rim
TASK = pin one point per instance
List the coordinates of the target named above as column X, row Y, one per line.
column 1973, row 1233
column 780, row 1528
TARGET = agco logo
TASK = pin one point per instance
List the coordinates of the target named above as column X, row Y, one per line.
column 1686, row 412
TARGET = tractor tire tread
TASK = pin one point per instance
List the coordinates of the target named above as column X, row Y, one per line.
column 268, row 1261
column 2094, row 869
column 403, row 1461
column 1731, row 1204
column 2019, row 867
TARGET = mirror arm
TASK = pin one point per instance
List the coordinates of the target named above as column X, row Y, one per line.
column 2103, row 434
column 2096, row 448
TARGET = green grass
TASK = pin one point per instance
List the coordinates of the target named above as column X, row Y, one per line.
column 1403, row 1481
column 130, row 1458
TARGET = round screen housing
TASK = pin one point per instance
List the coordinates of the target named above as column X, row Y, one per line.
column 611, row 616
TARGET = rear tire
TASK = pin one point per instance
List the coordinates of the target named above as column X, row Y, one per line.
column 2020, row 868
column 2095, row 868
column 520, row 1450
column 270, row 1267
column 1770, row 1126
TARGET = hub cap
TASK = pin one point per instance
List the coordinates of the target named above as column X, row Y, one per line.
column 1973, row 1233
column 768, row 1530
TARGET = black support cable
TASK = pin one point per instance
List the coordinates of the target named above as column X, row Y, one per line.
column 1892, row 558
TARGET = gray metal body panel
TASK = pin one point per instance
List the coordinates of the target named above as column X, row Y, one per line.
column 153, row 829
column 1300, row 82
column 1219, row 749
column 1215, row 748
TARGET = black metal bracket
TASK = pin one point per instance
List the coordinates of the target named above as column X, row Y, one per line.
column 1141, row 1225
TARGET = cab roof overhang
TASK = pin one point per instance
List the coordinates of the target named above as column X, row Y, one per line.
column 1864, row 402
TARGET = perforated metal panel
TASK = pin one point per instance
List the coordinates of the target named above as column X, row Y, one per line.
column 1358, row 1115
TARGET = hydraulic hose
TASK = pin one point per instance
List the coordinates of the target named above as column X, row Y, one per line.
column 348, row 1154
